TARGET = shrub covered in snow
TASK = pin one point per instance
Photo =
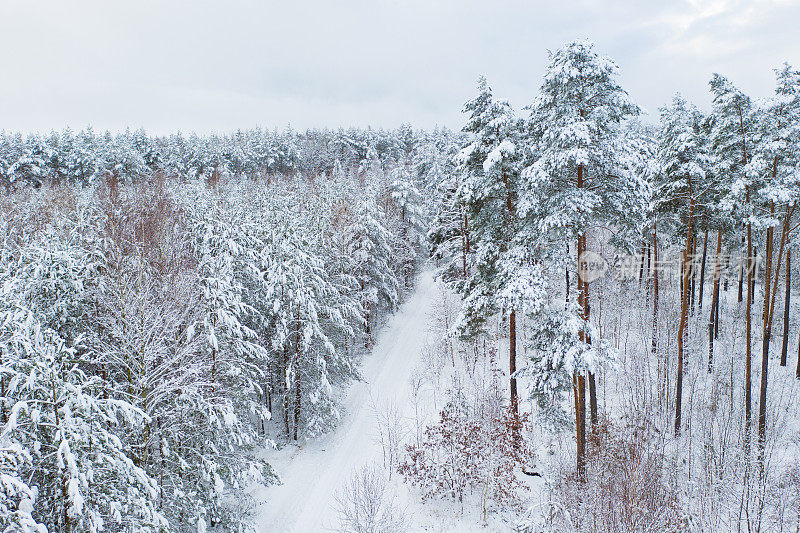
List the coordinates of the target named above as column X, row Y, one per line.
column 466, row 453
column 367, row 505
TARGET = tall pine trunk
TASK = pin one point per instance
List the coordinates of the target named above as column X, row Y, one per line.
column 285, row 390
column 787, row 299
column 716, row 315
column 592, row 380
column 712, row 319
column 512, row 322
column 296, row 408
column 464, row 240
column 692, row 275
column 655, row 291
column 762, row 397
column 748, row 357
column 297, row 395
column 593, row 402
column 466, row 233
column 512, row 362
column 566, row 283
column 769, row 311
column 367, row 324
column 703, row 272
column 641, row 262
column 579, row 381
column 741, row 277
column 684, row 311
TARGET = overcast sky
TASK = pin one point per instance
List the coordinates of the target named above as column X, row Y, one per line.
column 218, row 66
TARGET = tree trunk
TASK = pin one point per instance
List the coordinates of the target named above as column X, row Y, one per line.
column 512, row 368
column 702, row 272
column 466, row 231
column 285, row 390
column 464, row 240
column 296, row 407
column 592, row 380
column 655, row 291
column 580, row 386
column 692, row 275
column 593, row 402
column 762, row 396
column 583, row 304
column 641, row 264
column 748, row 357
column 297, row 352
column 580, row 382
column 716, row 317
column 512, row 317
column 512, row 362
column 684, row 311
column 741, row 275
column 566, row 278
column 367, row 326
column 580, row 419
column 769, row 311
column 714, row 303
column 787, row 296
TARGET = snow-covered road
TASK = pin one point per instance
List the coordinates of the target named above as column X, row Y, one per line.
column 315, row 471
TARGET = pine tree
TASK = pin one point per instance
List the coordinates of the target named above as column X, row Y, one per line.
column 504, row 277
column 686, row 182
column 732, row 138
column 60, row 414
column 775, row 159
column 579, row 174
column 448, row 234
column 369, row 246
column 410, row 210
column 306, row 309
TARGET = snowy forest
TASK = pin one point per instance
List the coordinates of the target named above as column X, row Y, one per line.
column 576, row 316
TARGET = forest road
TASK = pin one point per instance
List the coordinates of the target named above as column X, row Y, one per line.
column 312, row 473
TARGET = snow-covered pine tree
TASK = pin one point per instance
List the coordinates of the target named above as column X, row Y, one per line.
column 687, row 183
column 732, row 139
column 775, row 160
column 307, row 311
column 80, row 476
column 579, row 176
column 30, row 165
column 369, row 246
column 448, row 234
column 226, row 428
column 84, row 160
column 506, row 276
column 409, row 208
column 123, row 159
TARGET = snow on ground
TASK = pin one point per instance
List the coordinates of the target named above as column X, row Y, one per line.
column 312, row 472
